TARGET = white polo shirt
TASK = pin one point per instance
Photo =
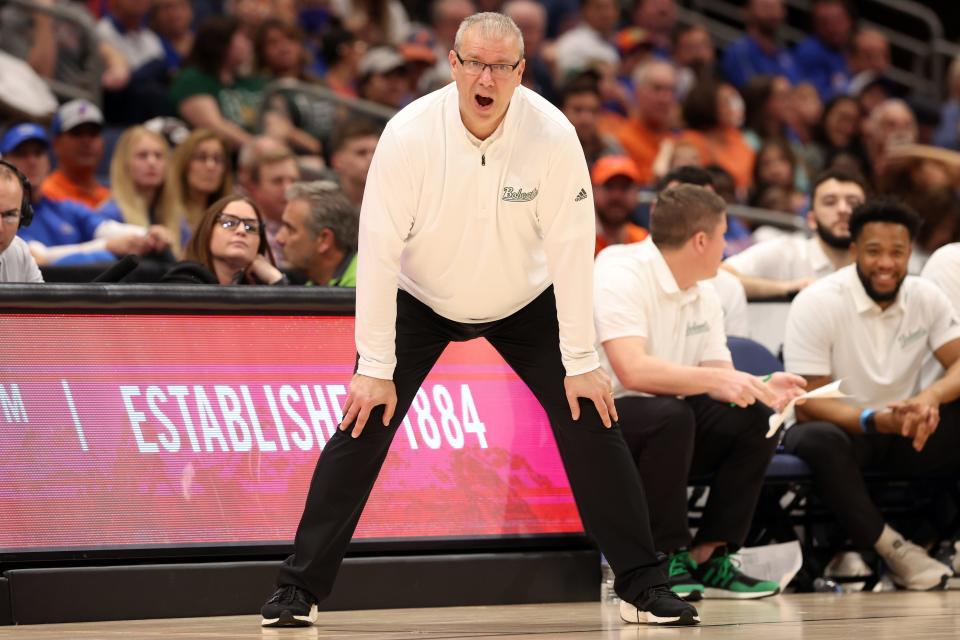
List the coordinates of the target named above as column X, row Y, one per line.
column 789, row 257
column 943, row 269
column 834, row 328
column 636, row 295
column 476, row 230
column 733, row 299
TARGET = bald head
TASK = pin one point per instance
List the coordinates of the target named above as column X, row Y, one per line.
column 656, row 86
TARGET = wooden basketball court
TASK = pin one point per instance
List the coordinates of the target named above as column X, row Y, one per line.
column 893, row 616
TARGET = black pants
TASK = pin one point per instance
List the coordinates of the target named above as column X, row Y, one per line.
column 837, row 459
column 672, row 439
column 602, row 476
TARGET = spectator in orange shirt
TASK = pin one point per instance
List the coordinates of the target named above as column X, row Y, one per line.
column 713, row 114
column 78, row 146
column 615, row 189
column 642, row 135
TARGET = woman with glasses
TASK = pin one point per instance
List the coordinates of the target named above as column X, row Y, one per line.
column 231, row 244
column 199, row 176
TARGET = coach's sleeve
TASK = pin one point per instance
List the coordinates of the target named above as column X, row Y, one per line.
column 569, row 229
column 386, row 217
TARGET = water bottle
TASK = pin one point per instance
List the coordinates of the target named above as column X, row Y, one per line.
column 826, row 585
column 607, row 593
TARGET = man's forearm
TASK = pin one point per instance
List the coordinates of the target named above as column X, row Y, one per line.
column 42, row 57
column 762, row 288
column 660, row 377
column 947, row 388
column 828, row 410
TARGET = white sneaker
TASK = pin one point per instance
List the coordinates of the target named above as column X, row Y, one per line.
column 910, row 566
column 848, row 564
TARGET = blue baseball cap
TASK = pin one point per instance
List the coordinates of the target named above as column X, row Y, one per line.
column 17, row 135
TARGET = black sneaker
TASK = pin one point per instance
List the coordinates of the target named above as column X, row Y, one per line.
column 290, row 606
column 659, row 605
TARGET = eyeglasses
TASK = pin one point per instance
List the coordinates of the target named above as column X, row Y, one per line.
column 475, row 67
column 230, row 222
column 10, row 217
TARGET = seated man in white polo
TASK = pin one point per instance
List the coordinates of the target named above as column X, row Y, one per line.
column 872, row 326
column 683, row 409
column 782, row 266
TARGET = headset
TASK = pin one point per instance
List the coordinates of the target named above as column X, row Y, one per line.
column 26, row 203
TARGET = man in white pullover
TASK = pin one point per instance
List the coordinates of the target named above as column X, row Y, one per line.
column 477, row 221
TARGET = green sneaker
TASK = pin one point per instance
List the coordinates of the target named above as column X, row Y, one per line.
column 722, row 578
column 680, row 577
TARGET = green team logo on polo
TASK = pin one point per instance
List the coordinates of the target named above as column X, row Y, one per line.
column 517, row 194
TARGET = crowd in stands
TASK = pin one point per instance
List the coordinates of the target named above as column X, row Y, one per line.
column 246, row 129
column 635, row 82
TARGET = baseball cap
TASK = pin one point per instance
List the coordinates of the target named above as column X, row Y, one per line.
column 380, row 60
column 17, row 135
column 608, row 167
column 631, row 38
column 419, row 47
column 74, row 113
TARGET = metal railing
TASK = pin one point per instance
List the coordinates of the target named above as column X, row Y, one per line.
column 925, row 47
column 340, row 107
column 89, row 88
column 779, row 219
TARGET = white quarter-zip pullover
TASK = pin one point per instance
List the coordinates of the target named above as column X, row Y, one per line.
column 476, row 230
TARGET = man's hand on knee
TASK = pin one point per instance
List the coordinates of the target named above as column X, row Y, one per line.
column 596, row 386
column 365, row 395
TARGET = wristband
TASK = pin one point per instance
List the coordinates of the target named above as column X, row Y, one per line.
column 868, row 421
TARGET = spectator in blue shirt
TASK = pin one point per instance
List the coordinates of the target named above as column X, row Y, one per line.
column 821, row 58
column 66, row 232
column 757, row 53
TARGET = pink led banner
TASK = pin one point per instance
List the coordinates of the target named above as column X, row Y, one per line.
column 143, row 430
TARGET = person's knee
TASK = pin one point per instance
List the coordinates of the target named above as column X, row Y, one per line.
column 660, row 417
column 820, row 442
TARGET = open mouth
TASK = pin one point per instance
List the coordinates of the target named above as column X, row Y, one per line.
column 483, row 101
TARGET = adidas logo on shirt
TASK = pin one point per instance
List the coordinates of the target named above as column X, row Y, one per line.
column 581, row 196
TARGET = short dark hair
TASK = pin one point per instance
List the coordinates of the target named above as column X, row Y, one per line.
column 883, row 210
column 840, row 175
column 686, row 175
column 683, row 211
column 586, row 82
column 351, row 129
